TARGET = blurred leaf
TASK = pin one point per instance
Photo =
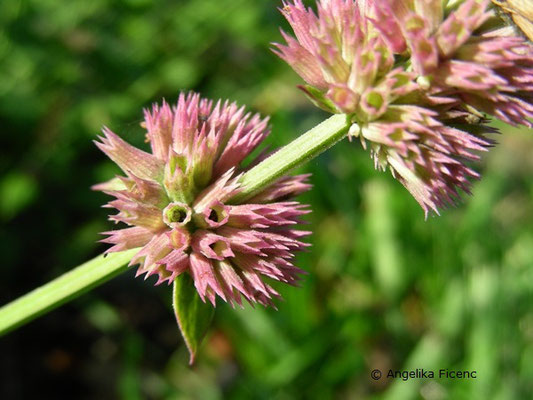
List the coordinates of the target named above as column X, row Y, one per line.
column 129, row 384
column 386, row 254
column 17, row 191
column 103, row 316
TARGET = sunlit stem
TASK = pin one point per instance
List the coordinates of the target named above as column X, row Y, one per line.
column 65, row 288
column 298, row 152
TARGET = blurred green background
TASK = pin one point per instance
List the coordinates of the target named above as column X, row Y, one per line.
column 386, row 290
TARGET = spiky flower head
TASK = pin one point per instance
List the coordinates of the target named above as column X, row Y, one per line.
column 178, row 203
column 416, row 77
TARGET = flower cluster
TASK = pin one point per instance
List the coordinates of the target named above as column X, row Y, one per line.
column 417, row 78
column 178, row 203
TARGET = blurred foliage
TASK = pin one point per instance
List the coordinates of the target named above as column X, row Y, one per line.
column 386, row 289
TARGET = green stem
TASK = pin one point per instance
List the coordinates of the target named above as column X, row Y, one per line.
column 99, row 270
column 304, row 148
column 62, row 289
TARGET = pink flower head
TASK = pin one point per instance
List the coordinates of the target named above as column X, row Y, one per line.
column 346, row 54
column 178, row 203
column 416, row 77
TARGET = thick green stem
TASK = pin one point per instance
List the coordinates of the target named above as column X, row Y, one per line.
column 62, row 289
column 304, row 148
column 100, row 269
